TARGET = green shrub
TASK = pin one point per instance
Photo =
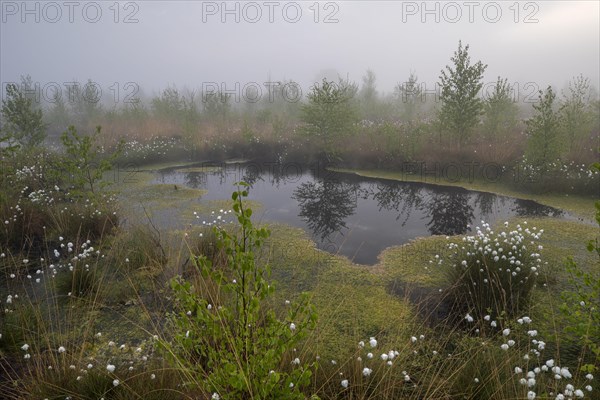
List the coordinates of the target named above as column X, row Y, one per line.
column 22, row 117
column 84, row 163
column 231, row 342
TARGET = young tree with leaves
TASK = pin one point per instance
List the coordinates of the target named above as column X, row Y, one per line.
column 461, row 106
column 408, row 98
column 22, row 120
column 575, row 111
column 216, row 105
column 84, row 162
column 329, row 113
column 190, row 113
column 58, row 114
column 85, row 102
column 233, row 342
column 544, row 142
column 409, row 101
column 500, row 111
column 368, row 95
column 31, row 90
column 169, row 105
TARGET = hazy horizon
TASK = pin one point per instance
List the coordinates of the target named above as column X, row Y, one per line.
column 156, row 44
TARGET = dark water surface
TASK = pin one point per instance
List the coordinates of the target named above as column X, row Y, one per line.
column 352, row 215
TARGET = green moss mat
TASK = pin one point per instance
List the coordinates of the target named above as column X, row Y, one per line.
column 164, row 193
column 352, row 301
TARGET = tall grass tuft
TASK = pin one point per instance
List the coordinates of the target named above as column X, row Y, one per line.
column 493, row 272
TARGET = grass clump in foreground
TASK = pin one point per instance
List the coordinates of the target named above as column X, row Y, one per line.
column 494, row 273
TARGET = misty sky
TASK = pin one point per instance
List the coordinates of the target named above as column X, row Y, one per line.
column 187, row 43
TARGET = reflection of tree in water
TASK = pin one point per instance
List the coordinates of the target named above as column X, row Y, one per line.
column 276, row 173
column 399, row 197
column 284, row 173
column 251, row 174
column 232, row 173
column 450, row 213
column 529, row 208
column 223, row 173
column 196, row 180
column 325, row 205
column 486, row 202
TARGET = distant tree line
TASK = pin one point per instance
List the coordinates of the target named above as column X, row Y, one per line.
column 333, row 112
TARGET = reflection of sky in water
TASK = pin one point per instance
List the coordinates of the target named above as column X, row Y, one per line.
column 358, row 217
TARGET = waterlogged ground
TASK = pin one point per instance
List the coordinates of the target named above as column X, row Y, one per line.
column 399, row 298
column 347, row 214
column 404, row 284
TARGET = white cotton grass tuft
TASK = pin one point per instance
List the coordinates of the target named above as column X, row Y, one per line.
column 511, row 258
